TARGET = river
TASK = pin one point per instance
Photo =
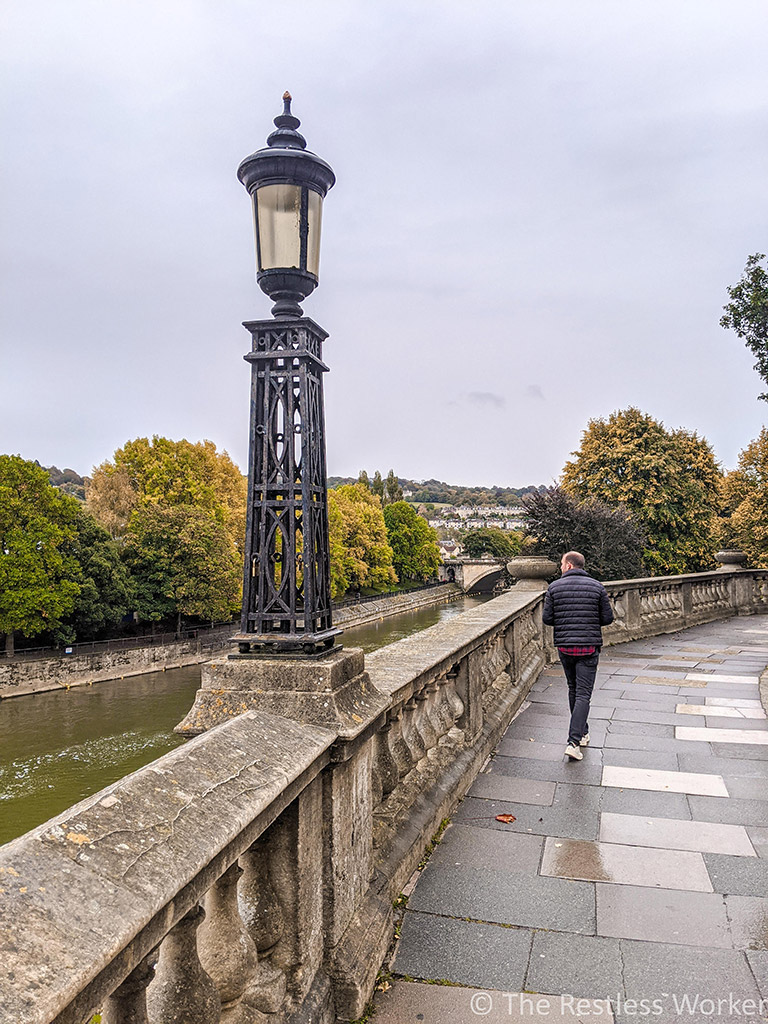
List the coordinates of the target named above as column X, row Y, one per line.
column 56, row 748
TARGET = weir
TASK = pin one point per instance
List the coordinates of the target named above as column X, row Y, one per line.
column 249, row 875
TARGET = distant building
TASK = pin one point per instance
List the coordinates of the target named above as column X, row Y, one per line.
column 449, row 548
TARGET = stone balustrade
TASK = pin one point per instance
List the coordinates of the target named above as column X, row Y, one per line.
column 249, row 875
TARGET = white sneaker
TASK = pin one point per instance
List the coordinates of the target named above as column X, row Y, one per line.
column 573, row 752
column 584, row 741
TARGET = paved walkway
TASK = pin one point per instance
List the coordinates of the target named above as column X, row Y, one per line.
column 638, row 874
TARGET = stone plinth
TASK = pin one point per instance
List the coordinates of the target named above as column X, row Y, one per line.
column 730, row 558
column 334, row 692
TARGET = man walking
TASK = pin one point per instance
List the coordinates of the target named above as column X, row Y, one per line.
column 577, row 606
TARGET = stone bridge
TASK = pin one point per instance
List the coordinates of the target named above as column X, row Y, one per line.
column 475, row 575
column 249, row 875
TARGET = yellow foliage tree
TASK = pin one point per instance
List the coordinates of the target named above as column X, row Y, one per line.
column 360, row 552
column 745, row 493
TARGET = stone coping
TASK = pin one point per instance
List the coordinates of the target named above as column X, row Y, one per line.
column 434, row 650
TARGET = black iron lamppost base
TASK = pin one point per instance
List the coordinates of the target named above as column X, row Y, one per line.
column 277, row 645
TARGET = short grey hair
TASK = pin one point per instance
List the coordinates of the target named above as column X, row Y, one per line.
column 575, row 558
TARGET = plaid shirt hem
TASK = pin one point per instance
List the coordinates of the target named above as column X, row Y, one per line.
column 577, row 651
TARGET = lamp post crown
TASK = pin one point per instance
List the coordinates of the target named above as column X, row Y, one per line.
column 286, row 136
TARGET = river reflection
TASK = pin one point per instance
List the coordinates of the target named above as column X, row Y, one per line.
column 57, row 748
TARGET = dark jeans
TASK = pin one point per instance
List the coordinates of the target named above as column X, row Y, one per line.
column 580, row 672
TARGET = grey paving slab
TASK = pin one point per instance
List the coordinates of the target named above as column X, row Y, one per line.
column 737, row 876
column 497, row 896
column 625, row 865
column 470, row 846
column 749, row 921
column 731, row 766
column 732, row 811
column 759, row 839
column 558, row 736
column 662, row 915
column 641, row 729
column 576, row 822
column 411, row 1002
column 758, row 961
column 746, row 751
column 542, row 751
column 664, row 974
column 583, row 965
column 746, row 789
column 657, row 715
column 442, row 948
column 552, row 771
column 588, row 798
column 670, row 834
column 660, row 761
column 616, row 740
column 645, row 802
column 502, row 787
column 736, row 724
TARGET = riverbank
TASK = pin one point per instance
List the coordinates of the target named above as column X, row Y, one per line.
column 18, row 679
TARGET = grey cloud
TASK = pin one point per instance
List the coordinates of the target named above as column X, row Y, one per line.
column 486, row 399
column 534, row 391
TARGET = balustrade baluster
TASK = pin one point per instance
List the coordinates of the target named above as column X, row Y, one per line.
column 226, row 950
column 398, row 744
column 455, row 702
column 433, row 709
column 411, row 733
column 387, row 771
column 128, row 1003
column 262, row 916
column 182, row 992
column 422, row 720
column 445, row 711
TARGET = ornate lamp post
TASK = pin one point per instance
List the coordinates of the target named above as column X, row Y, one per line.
column 286, row 586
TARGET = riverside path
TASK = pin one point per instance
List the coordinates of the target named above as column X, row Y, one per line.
column 632, row 885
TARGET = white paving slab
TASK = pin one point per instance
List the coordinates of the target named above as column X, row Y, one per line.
column 626, row 864
column 698, row 784
column 719, row 677
column 675, row 834
column 694, row 732
column 713, row 711
column 733, row 702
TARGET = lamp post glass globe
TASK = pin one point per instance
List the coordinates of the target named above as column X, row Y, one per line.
column 287, row 184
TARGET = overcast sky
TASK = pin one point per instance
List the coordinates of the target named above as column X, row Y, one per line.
column 539, row 205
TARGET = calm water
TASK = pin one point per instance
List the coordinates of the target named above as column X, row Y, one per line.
column 57, row 748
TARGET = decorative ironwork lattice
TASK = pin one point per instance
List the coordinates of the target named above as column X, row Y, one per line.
column 286, row 583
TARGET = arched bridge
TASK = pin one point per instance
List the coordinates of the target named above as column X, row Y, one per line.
column 475, row 575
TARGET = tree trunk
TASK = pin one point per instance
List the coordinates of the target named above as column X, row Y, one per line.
column 178, row 626
column 9, row 648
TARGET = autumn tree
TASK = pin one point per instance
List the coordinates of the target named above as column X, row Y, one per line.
column 38, row 576
column 747, row 312
column 490, row 540
column 360, row 553
column 667, row 479
column 415, row 554
column 745, row 491
column 610, row 539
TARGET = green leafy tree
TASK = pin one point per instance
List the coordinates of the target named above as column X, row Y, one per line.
column 609, row 538
column 745, row 492
column 490, row 540
column 182, row 562
column 106, row 591
column 747, row 312
column 360, row 552
column 415, row 554
column 38, row 575
column 377, row 486
column 668, row 480
column 363, row 479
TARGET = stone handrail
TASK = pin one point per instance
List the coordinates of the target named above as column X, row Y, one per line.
column 249, row 875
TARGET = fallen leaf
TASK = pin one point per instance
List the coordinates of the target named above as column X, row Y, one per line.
column 506, row 818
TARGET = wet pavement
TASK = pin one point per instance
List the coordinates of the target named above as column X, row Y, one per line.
column 632, row 884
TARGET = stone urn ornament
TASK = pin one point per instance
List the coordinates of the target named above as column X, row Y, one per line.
column 532, row 572
column 729, row 559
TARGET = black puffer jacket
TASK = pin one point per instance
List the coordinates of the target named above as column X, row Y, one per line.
column 577, row 606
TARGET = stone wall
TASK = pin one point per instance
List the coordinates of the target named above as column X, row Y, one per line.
column 18, row 678
column 248, row 876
